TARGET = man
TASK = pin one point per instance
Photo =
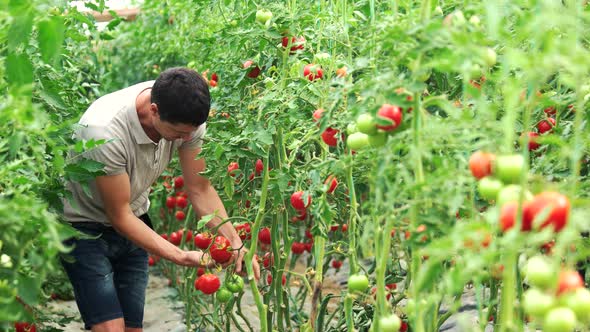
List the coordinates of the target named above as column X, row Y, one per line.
column 143, row 125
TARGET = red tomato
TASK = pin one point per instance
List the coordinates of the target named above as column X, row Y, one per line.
column 569, row 281
column 164, row 236
column 550, row 110
column 170, row 202
column 25, row 327
column 480, row 164
column 254, row 72
column 553, row 205
column 300, row 217
column 508, row 217
column 244, row 231
column 232, row 167
column 259, row 166
column 533, row 145
column 337, row 264
column 333, row 182
column 344, row 228
column 296, row 43
column 151, row 261
column 181, row 202
column 308, row 246
column 329, row 136
column 203, row 240
column 264, row 235
column 297, row 201
column 297, row 248
column 267, row 260
column 283, row 280
column 221, row 250
column 317, row 114
column 178, row 182
column 251, row 177
column 189, row 236
column 390, row 113
column 546, row 125
column 200, row 271
column 208, row 283
column 214, row 77
column 313, row 72
column 179, row 215
column 175, row 238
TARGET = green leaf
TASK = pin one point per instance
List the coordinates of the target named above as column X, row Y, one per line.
column 19, row 69
column 52, row 98
column 28, row 289
column 51, row 37
column 20, row 30
column 204, row 220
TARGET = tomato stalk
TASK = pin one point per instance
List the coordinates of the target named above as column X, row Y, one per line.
column 262, row 308
column 352, row 240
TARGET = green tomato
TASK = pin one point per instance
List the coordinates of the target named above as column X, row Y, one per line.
column 559, row 320
column 357, row 141
column 223, row 295
column 234, row 283
column 490, row 57
column 351, row 128
column 489, row 187
column 358, row 283
column 365, row 123
column 509, row 167
column 390, row 323
column 540, row 273
column 263, row 16
column 511, row 193
column 536, row 303
column 579, row 302
column 377, row 140
column 410, row 307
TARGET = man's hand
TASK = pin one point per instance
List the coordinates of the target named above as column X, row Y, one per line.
column 239, row 259
column 197, row 259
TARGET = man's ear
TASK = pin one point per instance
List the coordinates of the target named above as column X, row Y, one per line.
column 154, row 109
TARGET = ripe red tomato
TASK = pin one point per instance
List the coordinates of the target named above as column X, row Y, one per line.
column 332, row 182
column 254, row 72
column 151, row 261
column 259, row 166
column 251, row 177
column 317, row 114
column 480, row 164
column 329, row 136
column 297, row 201
column 389, row 113
column 554, row 206
column 569, row 281
column 508, row 216
column 221, row 250
column 181, row 202
column 313, row 72
column 244, row 231
column 179, row 215
column 533, row 145
column 546, row 125
column 214, row 77
column 208, row 283
column 232, row 167
column 264, row 235
column 178, row 182
column 164, row 236
column 175, row 238
column 300, row 217
column 550, row 110
column 297, row 248
column 337, row 264
column 297, row 43
column 203, row 240
column 25, row 327
column 200, row 271
column 309, row 246
column 267, row 260
column 170, row 202
column 344, row 228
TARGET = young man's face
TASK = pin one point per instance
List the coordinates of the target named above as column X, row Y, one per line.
column 171, row 132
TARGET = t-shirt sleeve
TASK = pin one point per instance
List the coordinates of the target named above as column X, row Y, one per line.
column 112, row 153
column 196, row 141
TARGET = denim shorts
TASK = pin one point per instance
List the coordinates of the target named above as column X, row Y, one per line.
column 109, row 275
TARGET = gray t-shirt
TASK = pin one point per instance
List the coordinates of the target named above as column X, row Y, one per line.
column 129, row 150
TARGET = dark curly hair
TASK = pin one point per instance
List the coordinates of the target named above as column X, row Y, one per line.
column 182, row 96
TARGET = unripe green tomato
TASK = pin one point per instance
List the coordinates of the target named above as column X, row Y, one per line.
column 579, row 302
column 509, row 167
column 390, row 323
column 489, row 187
column 263, row 16
column 536, row 303
column 351, row 128
column 377, row 140
column 366, row 124
column 559, row 320
column 511, row 193
column 223, row 295
column 358, row 283
column 490, row 57
column 357, row 141
column 540, row 273
column 410, row 307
